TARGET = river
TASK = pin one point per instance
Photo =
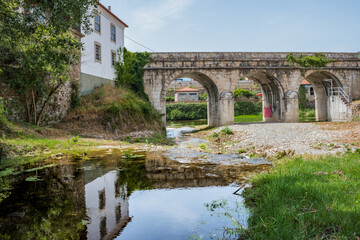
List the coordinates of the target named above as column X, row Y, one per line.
column 115, row 194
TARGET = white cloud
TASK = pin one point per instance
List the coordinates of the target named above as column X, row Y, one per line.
column 156, row 16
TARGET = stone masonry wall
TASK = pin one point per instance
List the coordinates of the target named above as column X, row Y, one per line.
column 57, row 107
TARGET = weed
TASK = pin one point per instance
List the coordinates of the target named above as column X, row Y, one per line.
column 242, row 151
column 227, row 130
column 203, row 146
column 74, row 140
column 215, row 135
column 127, row 154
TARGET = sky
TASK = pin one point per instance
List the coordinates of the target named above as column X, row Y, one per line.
column 240, row 25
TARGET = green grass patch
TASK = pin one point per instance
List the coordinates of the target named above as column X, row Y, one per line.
column 307, row 199
column 307, row 115
column 248, row 118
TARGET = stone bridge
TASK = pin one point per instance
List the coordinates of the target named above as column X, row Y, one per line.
column 219, row 73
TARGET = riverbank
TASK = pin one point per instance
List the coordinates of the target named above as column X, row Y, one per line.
column 23, row 144
column 276, row 140
column 306, row 198
column 303, row 195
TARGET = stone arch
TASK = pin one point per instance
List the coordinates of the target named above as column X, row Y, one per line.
column 322, row 82
column 219, row 113
column 273, row 93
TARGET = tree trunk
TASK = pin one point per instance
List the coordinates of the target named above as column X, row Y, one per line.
column 52, row 92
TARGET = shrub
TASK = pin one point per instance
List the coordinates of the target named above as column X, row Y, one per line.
column 186, row 111
column 170, row 99
column 227, row 130
column 247, row 108
column 243, row 92
column 2, row 112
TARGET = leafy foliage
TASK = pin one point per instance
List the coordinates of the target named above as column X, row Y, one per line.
column 113, row 109
column 303, row 102
column 243, row 92
column 129, row 70
column 247, row 108
column 203, row 97
column 227, row 130
column 2, row 113
column 37, row 46
column 186, row 111
column 308, row 62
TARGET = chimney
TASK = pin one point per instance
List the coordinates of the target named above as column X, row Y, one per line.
column 109, row 7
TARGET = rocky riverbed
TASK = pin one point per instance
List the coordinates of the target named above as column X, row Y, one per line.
column 273, row 139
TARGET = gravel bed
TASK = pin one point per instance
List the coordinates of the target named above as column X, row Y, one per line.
column 302, row 138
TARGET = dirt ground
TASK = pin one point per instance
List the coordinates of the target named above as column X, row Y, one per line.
column 271, row 139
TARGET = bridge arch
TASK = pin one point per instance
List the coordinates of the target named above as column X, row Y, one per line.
column 322, row 82
column 273, row 93
column 218, row 113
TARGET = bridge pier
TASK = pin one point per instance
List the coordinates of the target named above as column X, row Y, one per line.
column 291, row 102
column 226, row 110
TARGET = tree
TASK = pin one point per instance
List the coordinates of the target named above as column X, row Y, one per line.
column 37, row 46
column 303, row 102
column 129, row 71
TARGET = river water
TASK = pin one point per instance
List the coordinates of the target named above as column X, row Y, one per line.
column 138, row 195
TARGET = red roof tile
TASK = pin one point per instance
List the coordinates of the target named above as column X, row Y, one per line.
column 106, row 9
column 187, row 89
column 305, row 82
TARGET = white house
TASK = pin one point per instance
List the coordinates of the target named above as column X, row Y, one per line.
column 100, row 49
column 107, row 205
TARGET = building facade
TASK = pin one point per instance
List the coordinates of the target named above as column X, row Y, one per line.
column 101, row 49
column 187, row 94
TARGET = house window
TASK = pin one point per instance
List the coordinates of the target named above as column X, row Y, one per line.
column 113, row 58
column 97, row 52
column 193, row 94
column 112, row 32
column 102, row 199
column 311, row 90
column 118, row 213
column 97, row 23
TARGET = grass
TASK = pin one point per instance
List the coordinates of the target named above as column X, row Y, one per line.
column 111, row 110
column 248, row 118
column 307, row 199
column 307, row 115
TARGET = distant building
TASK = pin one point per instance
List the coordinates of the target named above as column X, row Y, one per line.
column 187, row 94
column 310, row 90
column 100, row 49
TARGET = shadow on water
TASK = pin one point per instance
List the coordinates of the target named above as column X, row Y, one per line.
column 115, row 196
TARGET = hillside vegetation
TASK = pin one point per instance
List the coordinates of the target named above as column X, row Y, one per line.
column 113, row 111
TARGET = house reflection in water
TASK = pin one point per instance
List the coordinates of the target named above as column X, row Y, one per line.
column 107, row 205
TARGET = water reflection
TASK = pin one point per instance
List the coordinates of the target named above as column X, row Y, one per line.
column 108, row 197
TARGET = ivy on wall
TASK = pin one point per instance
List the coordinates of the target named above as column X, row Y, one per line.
column 308, row 62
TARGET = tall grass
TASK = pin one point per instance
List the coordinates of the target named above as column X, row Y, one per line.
column 115, row 107
column 307, row 199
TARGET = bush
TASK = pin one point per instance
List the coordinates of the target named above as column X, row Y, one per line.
column 114, row 108
column 247, row 108
column 243, row 92
column 2, row 112
column 186, row 111
column 170, row 99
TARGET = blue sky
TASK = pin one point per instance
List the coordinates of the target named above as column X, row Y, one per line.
column 240, row 25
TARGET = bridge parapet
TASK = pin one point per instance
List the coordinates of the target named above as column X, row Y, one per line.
column 233, row 56
column 230, row 60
